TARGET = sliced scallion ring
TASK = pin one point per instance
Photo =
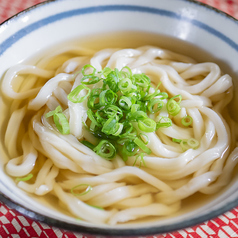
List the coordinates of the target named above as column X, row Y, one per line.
column 147, row 125
column 193, row 143
column 28, row 177
column 187, row 120
column 105, row 149
column 85, row 187
column 74, row 95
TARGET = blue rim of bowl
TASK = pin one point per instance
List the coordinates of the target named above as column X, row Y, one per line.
column 107, row 8
column 152, row 230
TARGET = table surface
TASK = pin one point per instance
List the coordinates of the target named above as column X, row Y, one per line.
column 15, row 225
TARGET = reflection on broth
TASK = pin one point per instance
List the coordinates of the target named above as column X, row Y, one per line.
column 116, row 128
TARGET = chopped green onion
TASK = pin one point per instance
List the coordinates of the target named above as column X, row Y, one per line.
column 51, row 113
column 187, row 144
column 119, row 110
column 187, row 120
column 105, row 149
column 88, row 66
column 193, row 143
column 74, row 96
column 142, row 161
column 88, row 144
column 135, row 97
column 93, row 79
column 127, row 129
column 154, row 94
column 177, row 98
column 92, row 118
column 93, row 99
column 184, row 145
column 142, row 145
column 172, row 105
column 28, row 177
column 142, row 80
column 134, row 108
column 163, row 122
column 107, row 97
column 125, row 85
column 144, row 138
column 113, row 111
column 60, row 120
column 137, row 116
column 147, row 125
column 106, row 71
column 162, row 95
column 129, row 148
column 118, row 129
column 99, row 117
column 176, row 140
column 61, row 123
column 109, row 126
column 128, row 71
column 82, row 187
column 125, row 103
column 155, row 105
column 112, row 80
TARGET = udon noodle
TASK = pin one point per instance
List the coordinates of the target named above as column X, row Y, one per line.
column 120, row 190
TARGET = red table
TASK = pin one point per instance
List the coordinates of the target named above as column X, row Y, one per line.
column 15, row 225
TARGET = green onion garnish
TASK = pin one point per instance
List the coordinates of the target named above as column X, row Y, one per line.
column 61, row 123
column 163, row 122
column 100, row 208
column 184, row 145
column 60, row 120
column 88, row 66
column 28, row 177
column 155, row 105
column 92, row 80
column 173, row 106
column 74, row 96
column 125, row 103
column 81, row 187
column 107, row 97
column 88, row 144
column 125, row 85
column 105, row 149
column 142, row 161
column 147, row 125
column 187, row 120
column 142, row 145
column 51, row 113
column 193, row 143
column 187, row 144
column 120, row 111
column 129, row 148
column 144, row 138
column 176, row 140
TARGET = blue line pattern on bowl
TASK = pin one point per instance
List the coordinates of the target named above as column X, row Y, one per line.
column 107, row 8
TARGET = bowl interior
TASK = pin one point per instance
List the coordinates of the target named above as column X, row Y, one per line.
column 182, row 26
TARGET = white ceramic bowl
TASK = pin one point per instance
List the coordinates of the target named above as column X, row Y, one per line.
column 54, row 22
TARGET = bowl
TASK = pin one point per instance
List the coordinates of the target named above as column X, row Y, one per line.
column 184, row 26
